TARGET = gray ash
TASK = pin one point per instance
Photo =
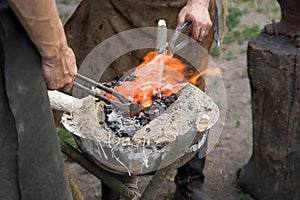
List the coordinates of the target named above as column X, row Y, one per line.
column 125, row 126
column 130, row 77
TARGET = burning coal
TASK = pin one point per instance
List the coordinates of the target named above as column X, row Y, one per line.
column 159, row 75
column 154, row 85
column 123, row 125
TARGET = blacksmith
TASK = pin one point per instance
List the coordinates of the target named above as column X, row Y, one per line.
column 34, row 55
column 95, row 21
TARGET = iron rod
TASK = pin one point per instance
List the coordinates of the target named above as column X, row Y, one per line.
column 126, row 108
column 104, row 88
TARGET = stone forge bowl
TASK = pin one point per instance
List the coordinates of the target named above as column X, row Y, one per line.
column 165, row 139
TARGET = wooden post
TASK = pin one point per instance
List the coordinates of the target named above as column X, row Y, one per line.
column 273, row 171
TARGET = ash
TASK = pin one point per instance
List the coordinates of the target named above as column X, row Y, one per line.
column 126, row 126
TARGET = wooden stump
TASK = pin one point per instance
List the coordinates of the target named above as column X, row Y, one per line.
column 273, row 171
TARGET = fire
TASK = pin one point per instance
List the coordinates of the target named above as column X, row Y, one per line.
column 158, row 75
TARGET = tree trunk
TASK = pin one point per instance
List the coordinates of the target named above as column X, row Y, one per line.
column 274, row 73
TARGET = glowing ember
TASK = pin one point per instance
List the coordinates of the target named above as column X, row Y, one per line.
column 159, row 75
column 155, row 86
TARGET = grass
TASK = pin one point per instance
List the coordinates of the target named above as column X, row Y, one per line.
column 233, row 17
column 244, row 74
column 243, row 50
column 229, row 55
column 238, row 123
column 67, row 137
column 67, row 2
column 228, row 38
column 233, row 34
column 248, row 33
column 259, row 10
column 215, row 51
column 238, row 33
column 241, row 36
column 244, row 196
column 64, row 17
column 218, row 144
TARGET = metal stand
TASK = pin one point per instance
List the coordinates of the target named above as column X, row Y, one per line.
column 152, row 188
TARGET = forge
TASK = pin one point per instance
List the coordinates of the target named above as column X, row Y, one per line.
column 175, row 128
column 181, row 128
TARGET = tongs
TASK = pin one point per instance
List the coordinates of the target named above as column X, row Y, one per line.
column 124, row 105
column 170, row 45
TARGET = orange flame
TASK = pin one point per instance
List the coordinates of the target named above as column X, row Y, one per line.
column 158, row 74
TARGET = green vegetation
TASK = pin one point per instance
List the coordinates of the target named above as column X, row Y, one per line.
column 273, row 11
column 248, row 33
column 228, row 38
column 215, row 51
column 244, row 196
column 234, row 35
column 218, row 144
column 259, row 10
column 237, row 32
column 243, row 33
column 66, row 2
column 255, row 2
column 233, row 18
column 244, row 74
column 67, row 137
column 229, row 55
column 238, row 123
column 243, row 50
column 64, row 17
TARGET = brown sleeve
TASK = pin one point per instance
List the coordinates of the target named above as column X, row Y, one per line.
column 41, row 21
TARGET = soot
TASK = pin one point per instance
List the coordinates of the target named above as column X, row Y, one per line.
column 126, row 126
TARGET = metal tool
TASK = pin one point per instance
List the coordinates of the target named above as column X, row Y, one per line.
column 170, row 45
column 217, row 28
column 102, row 87
column 124, row 105
column 175, row 36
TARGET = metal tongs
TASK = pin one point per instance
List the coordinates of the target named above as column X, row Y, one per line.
column 170, row 45
column 126, row 106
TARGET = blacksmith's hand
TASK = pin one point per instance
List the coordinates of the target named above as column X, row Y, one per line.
column 41, row 21
column 196, row 12
column 60, row 70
